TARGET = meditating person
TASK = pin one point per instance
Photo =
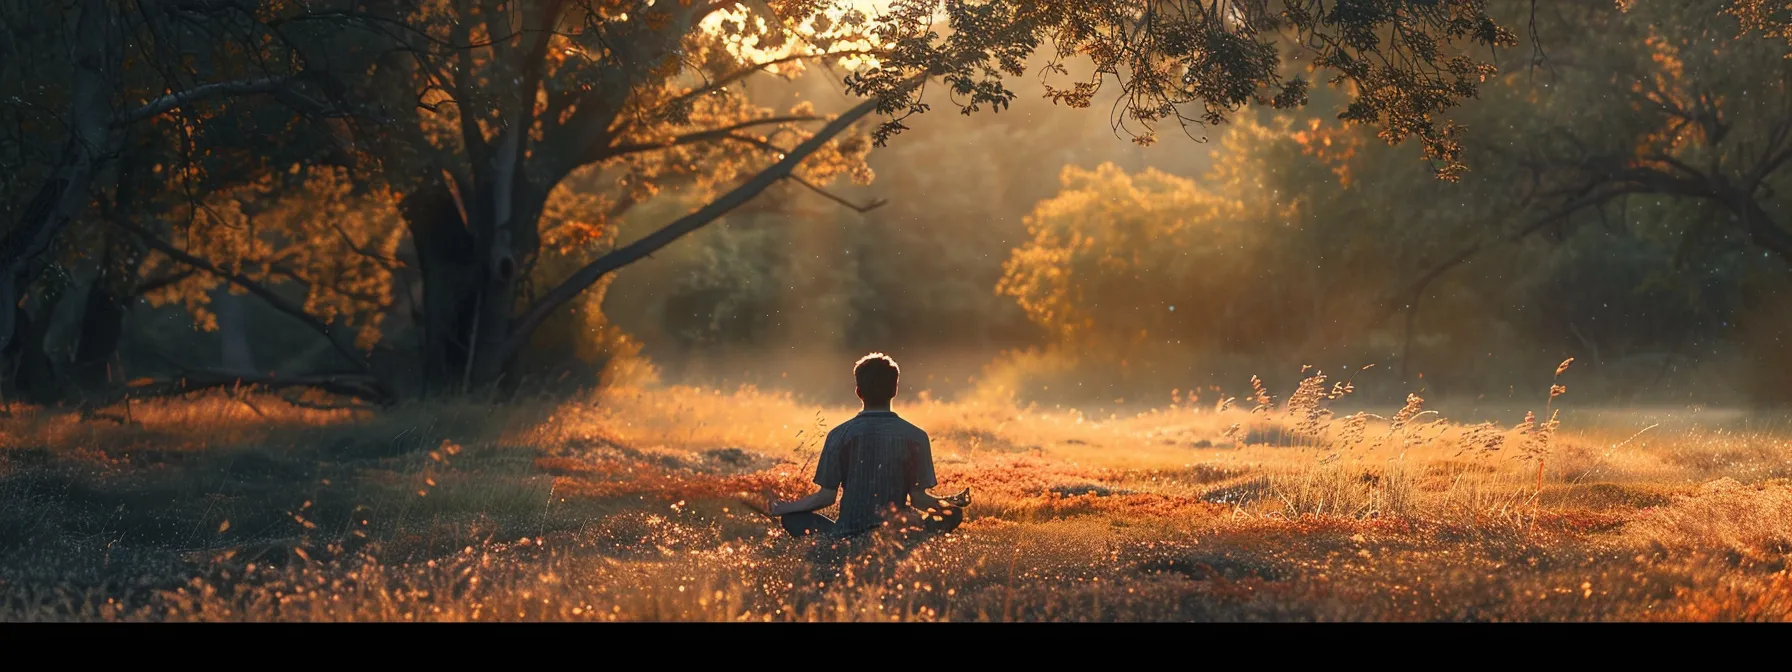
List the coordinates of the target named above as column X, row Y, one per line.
column 877, row 465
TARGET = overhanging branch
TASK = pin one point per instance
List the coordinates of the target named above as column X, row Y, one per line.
column 334, row 335
column 1410, row 295
column 174, row 100
column 754, row 68
column 780, row 151
column 721, row 133
column 585, row 277
column 861, row 209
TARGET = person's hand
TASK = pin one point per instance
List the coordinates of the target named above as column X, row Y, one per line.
column 960, row 499
column 762, row 502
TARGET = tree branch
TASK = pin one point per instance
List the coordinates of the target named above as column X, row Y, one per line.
column 585, row 277
column 613, row 151
column 1407, row 297
column 148, row 286
column 467, row 106
column 171, row 101
column 780, row 151
column 861, row 209
column 330, row 332
column 348, row 385
column 755, row 68
column 534, row 64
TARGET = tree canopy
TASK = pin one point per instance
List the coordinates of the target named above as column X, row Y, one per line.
column 480, row 153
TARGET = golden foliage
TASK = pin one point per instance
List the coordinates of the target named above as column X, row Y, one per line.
column 1105, row 224
column 1773, row 18
column 1152, row 257
column 312, row 228
column 1333, row 145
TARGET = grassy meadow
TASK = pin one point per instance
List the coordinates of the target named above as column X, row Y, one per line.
column 618, row 506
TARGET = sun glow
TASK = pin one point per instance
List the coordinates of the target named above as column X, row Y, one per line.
column 842, row 28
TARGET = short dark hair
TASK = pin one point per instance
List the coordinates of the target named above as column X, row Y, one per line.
column 876, row 376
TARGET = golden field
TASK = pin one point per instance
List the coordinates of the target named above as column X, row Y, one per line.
column 619, row 506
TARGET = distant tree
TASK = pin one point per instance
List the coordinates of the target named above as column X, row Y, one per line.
column 1280, row 247
column 1118, row 258
column 1679, row 100
column 1673, row 130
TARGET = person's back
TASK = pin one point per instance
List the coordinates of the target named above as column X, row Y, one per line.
column 883, row 464
column 875, row 459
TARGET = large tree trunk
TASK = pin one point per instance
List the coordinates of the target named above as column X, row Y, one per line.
column 102, row 318
column 62, row 198
column 446, row 259
column 64, row 194
column 113, row 288
column 470, row 284
column 35, row 378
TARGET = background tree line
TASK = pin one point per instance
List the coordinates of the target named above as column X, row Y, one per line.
column 392, row 199
column 1590, row 224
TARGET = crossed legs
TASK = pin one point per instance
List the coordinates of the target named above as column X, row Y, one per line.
column 925, row 522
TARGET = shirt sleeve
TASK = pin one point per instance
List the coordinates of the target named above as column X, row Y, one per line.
column 828, row 469
column 924, row 477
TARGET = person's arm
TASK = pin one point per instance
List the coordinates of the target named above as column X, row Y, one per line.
column 829, row 474
column 822, row 499
column 918, row 496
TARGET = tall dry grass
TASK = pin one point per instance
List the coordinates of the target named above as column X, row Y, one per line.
column 617, row 506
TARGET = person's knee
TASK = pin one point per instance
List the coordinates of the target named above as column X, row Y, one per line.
column 945, row 519
column 799, row 524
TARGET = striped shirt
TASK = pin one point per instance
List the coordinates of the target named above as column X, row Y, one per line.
column 875, row 458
